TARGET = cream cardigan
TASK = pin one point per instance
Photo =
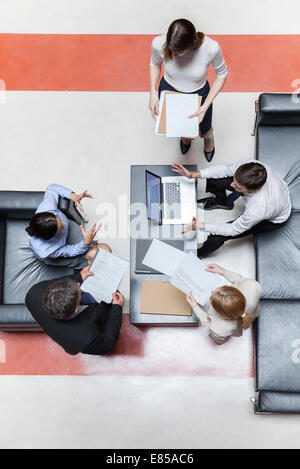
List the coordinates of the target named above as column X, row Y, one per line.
column 221, row 329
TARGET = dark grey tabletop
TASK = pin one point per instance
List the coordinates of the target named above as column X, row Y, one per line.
column 141, row 227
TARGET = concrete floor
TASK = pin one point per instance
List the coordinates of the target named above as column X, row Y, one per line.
column 176, row 390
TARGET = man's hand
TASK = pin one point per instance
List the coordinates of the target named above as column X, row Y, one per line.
column 78, row 197
column 117, row 299
column 215, row 269
column 88, row 236
column 178, row 168
column 193, row 226
column 154, row 104
column 191, row 300
column 85, row 273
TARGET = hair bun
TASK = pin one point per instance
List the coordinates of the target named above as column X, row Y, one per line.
column 29, row 231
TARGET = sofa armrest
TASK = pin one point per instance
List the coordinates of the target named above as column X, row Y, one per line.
column 19, row 204
column 16, row 314
column 278, row 109
column 23, row 204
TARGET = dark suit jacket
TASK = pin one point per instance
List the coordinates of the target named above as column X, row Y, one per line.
column 94, row 331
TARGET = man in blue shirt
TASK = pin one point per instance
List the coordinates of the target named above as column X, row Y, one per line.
column 48, row 230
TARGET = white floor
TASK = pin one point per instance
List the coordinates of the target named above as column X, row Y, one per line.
column 89, row 140
column 118, row 413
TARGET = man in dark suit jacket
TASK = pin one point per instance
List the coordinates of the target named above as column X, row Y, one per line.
column 56, row 305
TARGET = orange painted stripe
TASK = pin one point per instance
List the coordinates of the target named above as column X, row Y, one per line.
column 100, row 62
column 135, row 354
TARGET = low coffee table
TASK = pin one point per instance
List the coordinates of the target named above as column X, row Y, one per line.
column 150, row 230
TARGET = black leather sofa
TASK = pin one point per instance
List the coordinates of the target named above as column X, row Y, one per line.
column 19, row 268
column 277, row 329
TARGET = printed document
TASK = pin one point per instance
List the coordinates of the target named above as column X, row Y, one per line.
column 163, row 257
column 178, row 109
column 191, row 276
column 108, row 272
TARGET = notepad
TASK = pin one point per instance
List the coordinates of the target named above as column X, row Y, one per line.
column 108, row 272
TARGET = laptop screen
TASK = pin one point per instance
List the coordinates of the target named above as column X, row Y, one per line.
column 153, row 197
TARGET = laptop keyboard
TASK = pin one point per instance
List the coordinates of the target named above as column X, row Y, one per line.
column 173, row 201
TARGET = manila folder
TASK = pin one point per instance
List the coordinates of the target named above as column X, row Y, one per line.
column 163, row 298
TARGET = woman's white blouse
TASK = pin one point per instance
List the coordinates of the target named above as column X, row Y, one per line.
column 187, row 73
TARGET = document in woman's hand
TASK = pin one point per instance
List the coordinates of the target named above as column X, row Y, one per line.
column 191, row 276
column 108, row 271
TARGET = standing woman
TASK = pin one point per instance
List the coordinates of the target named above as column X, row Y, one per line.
column 186, row 55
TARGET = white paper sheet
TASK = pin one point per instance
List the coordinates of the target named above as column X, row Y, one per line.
column 108, row 272
column 163, row 257
column 157, row 122
column 178, row 109
column 191, row 276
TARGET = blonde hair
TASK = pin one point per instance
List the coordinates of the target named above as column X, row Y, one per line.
column 230, row 303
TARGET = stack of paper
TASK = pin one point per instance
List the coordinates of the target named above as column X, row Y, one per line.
column 174, row 111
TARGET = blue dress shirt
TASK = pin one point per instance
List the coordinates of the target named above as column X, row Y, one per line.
column 56, row 246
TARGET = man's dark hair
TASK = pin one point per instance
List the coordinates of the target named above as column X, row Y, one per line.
column 61, row 298
column 42, row 225
column 251, row 175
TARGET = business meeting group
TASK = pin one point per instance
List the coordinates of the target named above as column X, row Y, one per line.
column 72, row 317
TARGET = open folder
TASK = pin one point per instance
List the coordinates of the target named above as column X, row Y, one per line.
column 163, row 298
column 161, row 121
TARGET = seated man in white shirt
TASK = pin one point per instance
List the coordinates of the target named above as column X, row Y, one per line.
column 265, row 194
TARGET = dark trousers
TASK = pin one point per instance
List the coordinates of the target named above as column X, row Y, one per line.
column 218, row 188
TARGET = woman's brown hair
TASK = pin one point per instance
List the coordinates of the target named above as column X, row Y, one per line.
column 230, row 303
column 181, row 35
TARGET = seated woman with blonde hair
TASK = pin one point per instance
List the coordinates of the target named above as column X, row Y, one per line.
column 230, row 309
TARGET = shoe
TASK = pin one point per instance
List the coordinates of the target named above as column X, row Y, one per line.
column 184, row 148
column 211, row 204
column 209, row 155
column 202, row 201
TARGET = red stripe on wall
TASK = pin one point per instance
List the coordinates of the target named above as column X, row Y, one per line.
column 64, row 62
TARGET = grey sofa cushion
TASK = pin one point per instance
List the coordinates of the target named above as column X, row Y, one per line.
column 279, row 148
column 22, row 269
column 278, row 402
column 278, row 346
column 278, row 260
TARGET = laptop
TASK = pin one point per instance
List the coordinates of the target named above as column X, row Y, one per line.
column 170, row 200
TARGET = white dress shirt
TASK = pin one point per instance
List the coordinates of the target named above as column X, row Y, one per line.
column 271, row 202
column 188, row 72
